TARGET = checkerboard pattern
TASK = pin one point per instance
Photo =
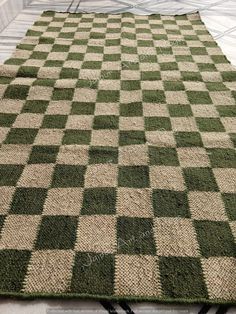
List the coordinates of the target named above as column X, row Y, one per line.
column 117, row 160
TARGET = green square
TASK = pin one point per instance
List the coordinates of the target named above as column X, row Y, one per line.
column 53, row 63
column 112, row 57
column 188, row 139
column 229, row 76
column 180, row 110
column 44, row 82
column 66, row 35
column 28, row 201
column 110, row 74
column 63, row 94
column 103, row 154
column 210, row 125
column 157, row 123
column 7, row 119
column 167, row 203
column 222, row 157
column 150, row 75
column 27, row 71
column 5, row 80
column 69, row 73
column 191, row 76
column 43, row 154
column 168, row 66
column 215, row 238
column 80, row 137
column 200, row 179
column 198, row 51
column 2, row 220
column 95, row 49
column 105, row 122
column 75, row 56
column 91, row 65
column 133, row 109
column 219, row 59
column 135, row 236
column 206, row 67
column 226, row 111
column 173, row 85
column 163, row 156
column 157, row 96
column 16, row 92
column 21, row 136
column 89, row 83
column 216, row 86
column 93, row 274
column 35, row 106
column 164, row 50
column 230, row 205
column 39, row 55
column 182, row 278
column 10, row 174
column 13, row 270
column 112, row 42
column 133, row 176
column 198, row 97
column 68, row 176
column 233, row 138
column 14, row 61
column 56, row 233
column 54, row 121
column 83, row 108
column 131, row 137
column 98, row 201
column 130, row 85
column 108, row 96
column 60, row 48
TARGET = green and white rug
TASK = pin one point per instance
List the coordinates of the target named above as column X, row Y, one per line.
column 117, row 161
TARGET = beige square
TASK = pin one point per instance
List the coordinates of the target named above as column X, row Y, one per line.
column 36, row 175
column 216, row 140
column 233, row 228
column 14, row 154
column 105, row 138
column 152, row 85
column 106, row 109
column 153, row 110
column 52, row 72
column 184, row 124
column 11, row 106
column 222, row 98
column 211, row 76
column 57, row 55
column 126, row 96
column 2, row 90
column 130, row 75
column 73, row 155
column 160, row 138
column 168, row 178
column 65, row 83
column 23, row 81
column 40, row 93
column 175, row 237
column 85, row 95
column 197, row 86
column 109, row 84
column 49, row 137
column 134, row 202
column 63, row 201
column 3, row 134
column 226, row 179
column 6, row 195
column 101, row 175
column 96, row 234
column 92, row 75
column 137, row 275
column 49, row 271
column 79, row 122
column 230, row 124
column 206, row 206
column 205, row 111
column 220, row 277
column 171, row 75
column 193, row 157
column 19, row 232
column 176, row 97
column 59, row 107
column 131, row 123
column 28, row 120
column 133, row 155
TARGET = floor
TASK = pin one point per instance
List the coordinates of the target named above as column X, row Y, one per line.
column 220, row 19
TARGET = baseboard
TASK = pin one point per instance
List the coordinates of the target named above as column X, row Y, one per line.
column 9, row 10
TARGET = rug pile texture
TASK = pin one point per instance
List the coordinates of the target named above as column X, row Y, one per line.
column 117, row 161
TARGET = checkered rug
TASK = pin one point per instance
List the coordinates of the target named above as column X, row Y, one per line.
column 117, row 161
